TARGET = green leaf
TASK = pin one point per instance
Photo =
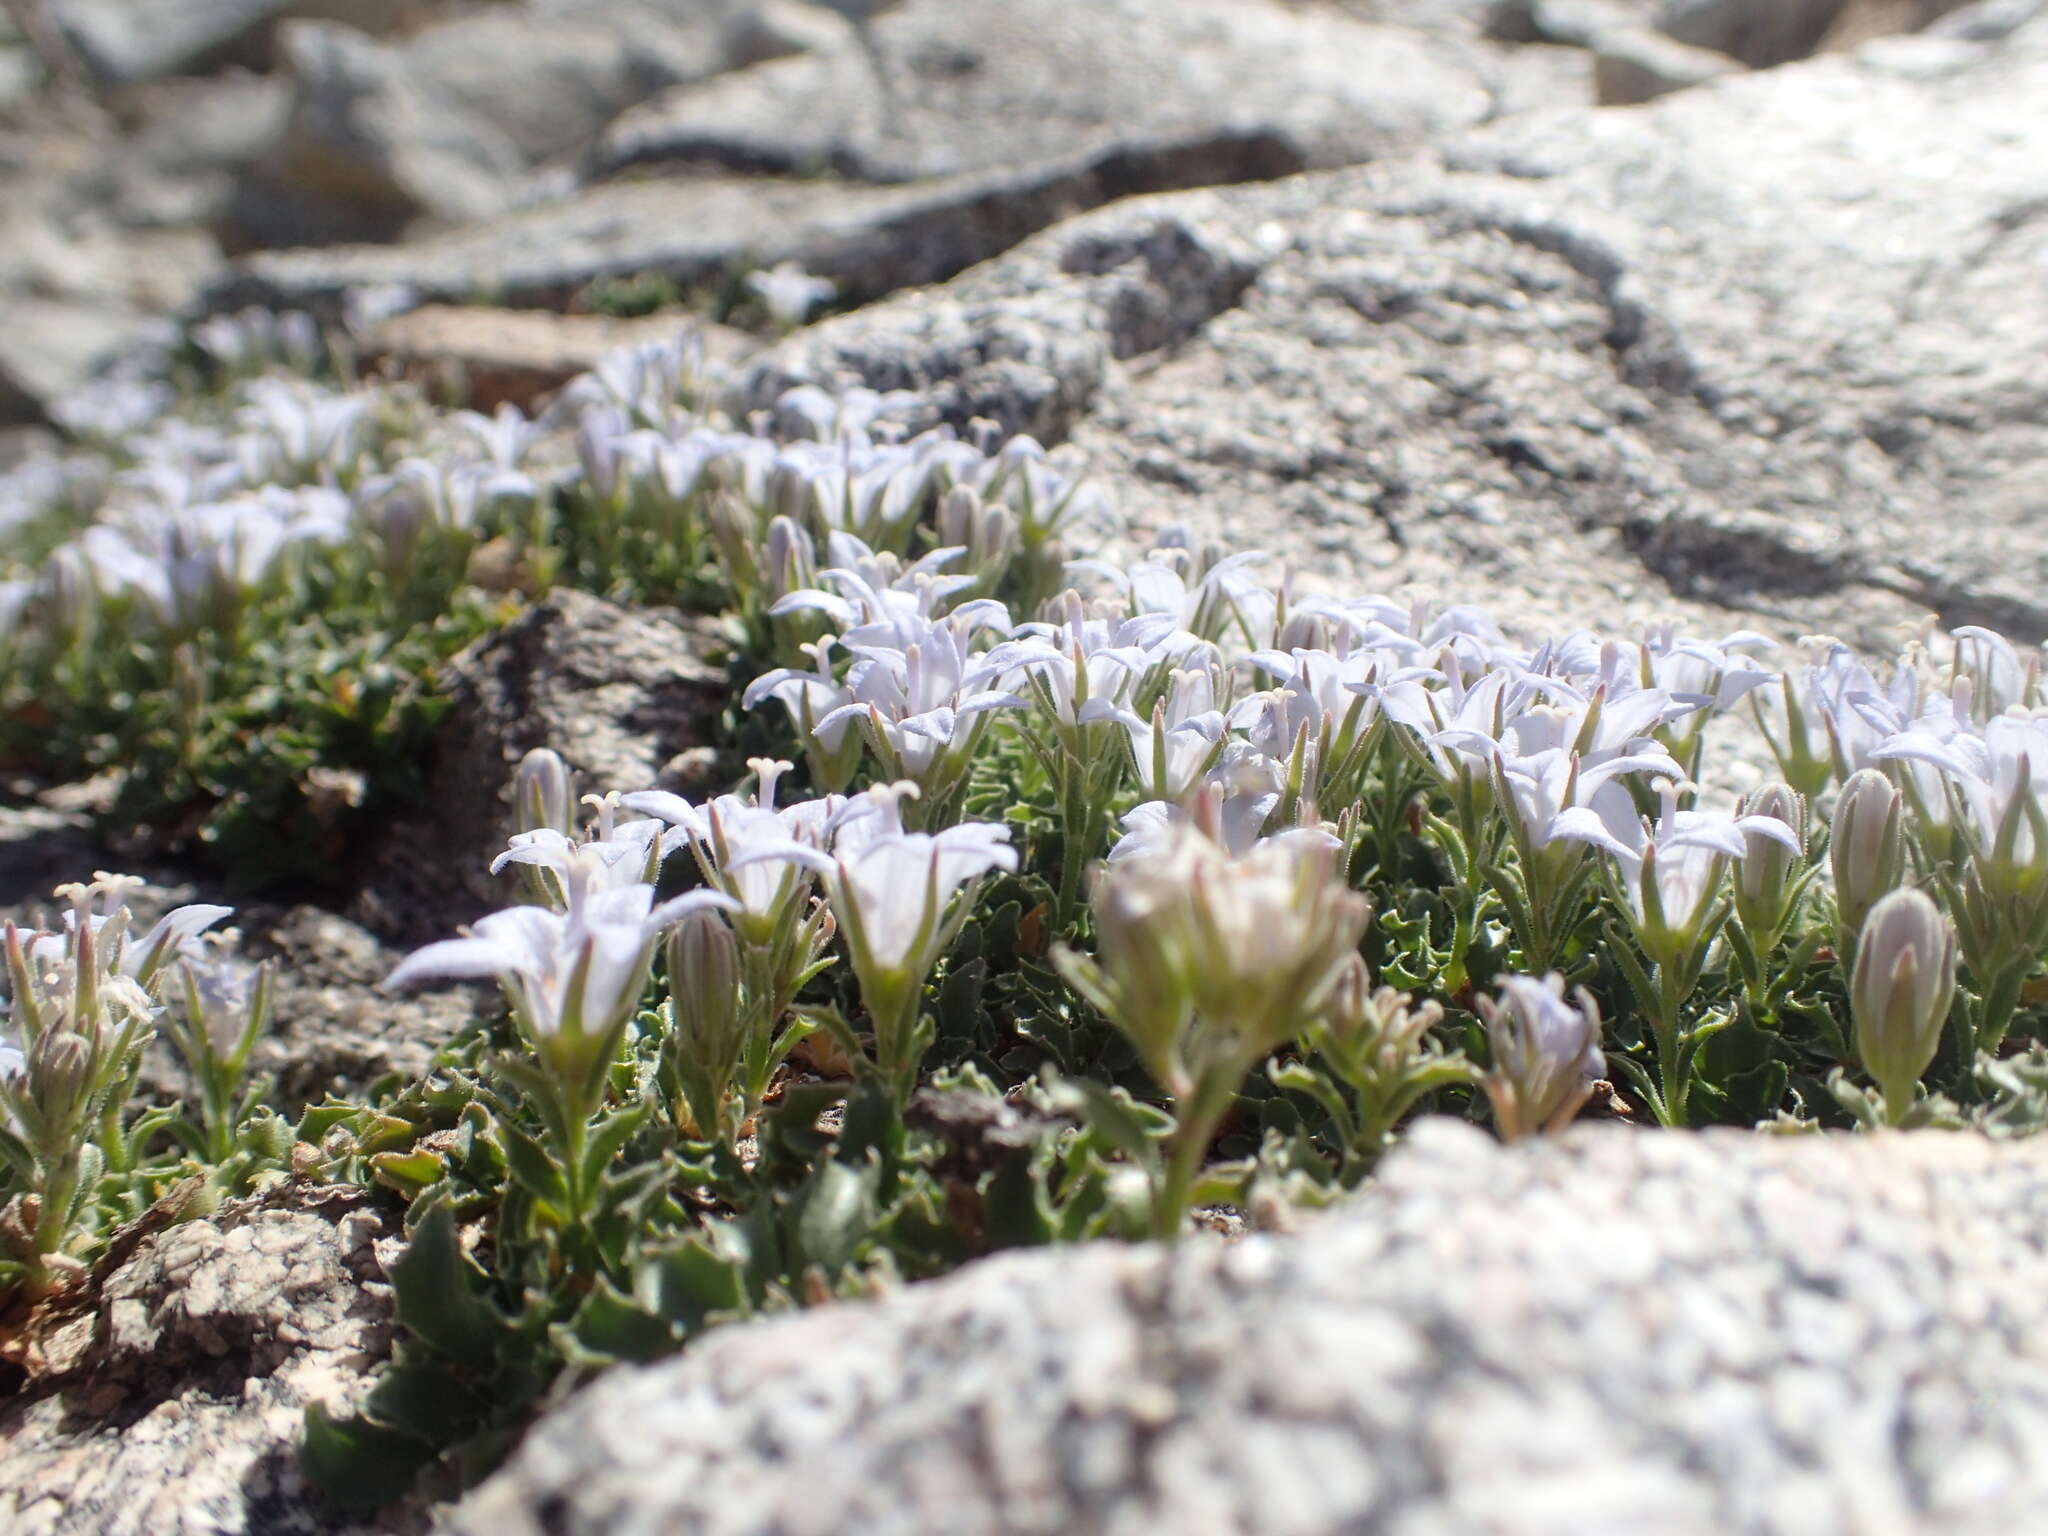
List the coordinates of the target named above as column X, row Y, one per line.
column 359, row 1465
column 1015, row 1212
column 437, row 1298
column 690, row 1283
column 612, row 1134
column 833, row 1212
column 530, row 1164
column 408, row 1173
column 619, row 1328
column 1112, row 1114
column 319, row 1119
column 789, row 1137
column 418, row 1396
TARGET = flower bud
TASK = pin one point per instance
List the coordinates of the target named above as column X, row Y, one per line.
column 987, row 531
column 1868, row 848
column 789, row 560
column 597, row 449
column 60, row 1075
column 1546, row 1054
column 1382, row 1025
column 787, row 497
column 1766, row 880
column 544, row 793
column 1900, row 992
column 734, row 533
column 73, row 594
column 704, row 981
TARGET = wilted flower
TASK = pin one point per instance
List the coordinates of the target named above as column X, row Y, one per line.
column 1209, row 960
column 1546, row 1054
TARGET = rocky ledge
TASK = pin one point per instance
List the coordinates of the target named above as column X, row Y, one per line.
column 1614, row 1332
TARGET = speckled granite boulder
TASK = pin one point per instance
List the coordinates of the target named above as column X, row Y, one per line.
column 1763, row 353
column 1618, row 1332
column 172, row 1404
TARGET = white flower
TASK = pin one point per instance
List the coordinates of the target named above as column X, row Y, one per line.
column 1673, row 868
column 756, row 853
column 2001, row 778
column 810, row 696
column 626, row 854
column 791, row 293
column 925, row 704
column 570, row 976
column 894, row 892
column 1172, row 749
column 1222, row 599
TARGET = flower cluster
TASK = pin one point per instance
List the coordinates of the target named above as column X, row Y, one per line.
column 83, row 998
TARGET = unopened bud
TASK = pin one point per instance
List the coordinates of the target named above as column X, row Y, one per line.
column 734, row 533
column 74, row 595
column 60, row 1073
column 1303, row 632
column 1765, row 878
column 1900, row 992
column 704, row 981
column 789, row 560
column 544, row 793
column 986, row 530
column 1868, row 848
column 788, row 494
column 1385, row 1025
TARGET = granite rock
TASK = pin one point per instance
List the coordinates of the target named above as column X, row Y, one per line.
column 1634, row 64
column 1612, row 1333
column 372, row 144
column 1763, row 353
column 943, row 87
column 168, row 1398
column 627, row 696
column 699, row 232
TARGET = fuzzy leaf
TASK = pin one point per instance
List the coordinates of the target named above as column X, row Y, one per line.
column 357, row 1464
column 437, row 1299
